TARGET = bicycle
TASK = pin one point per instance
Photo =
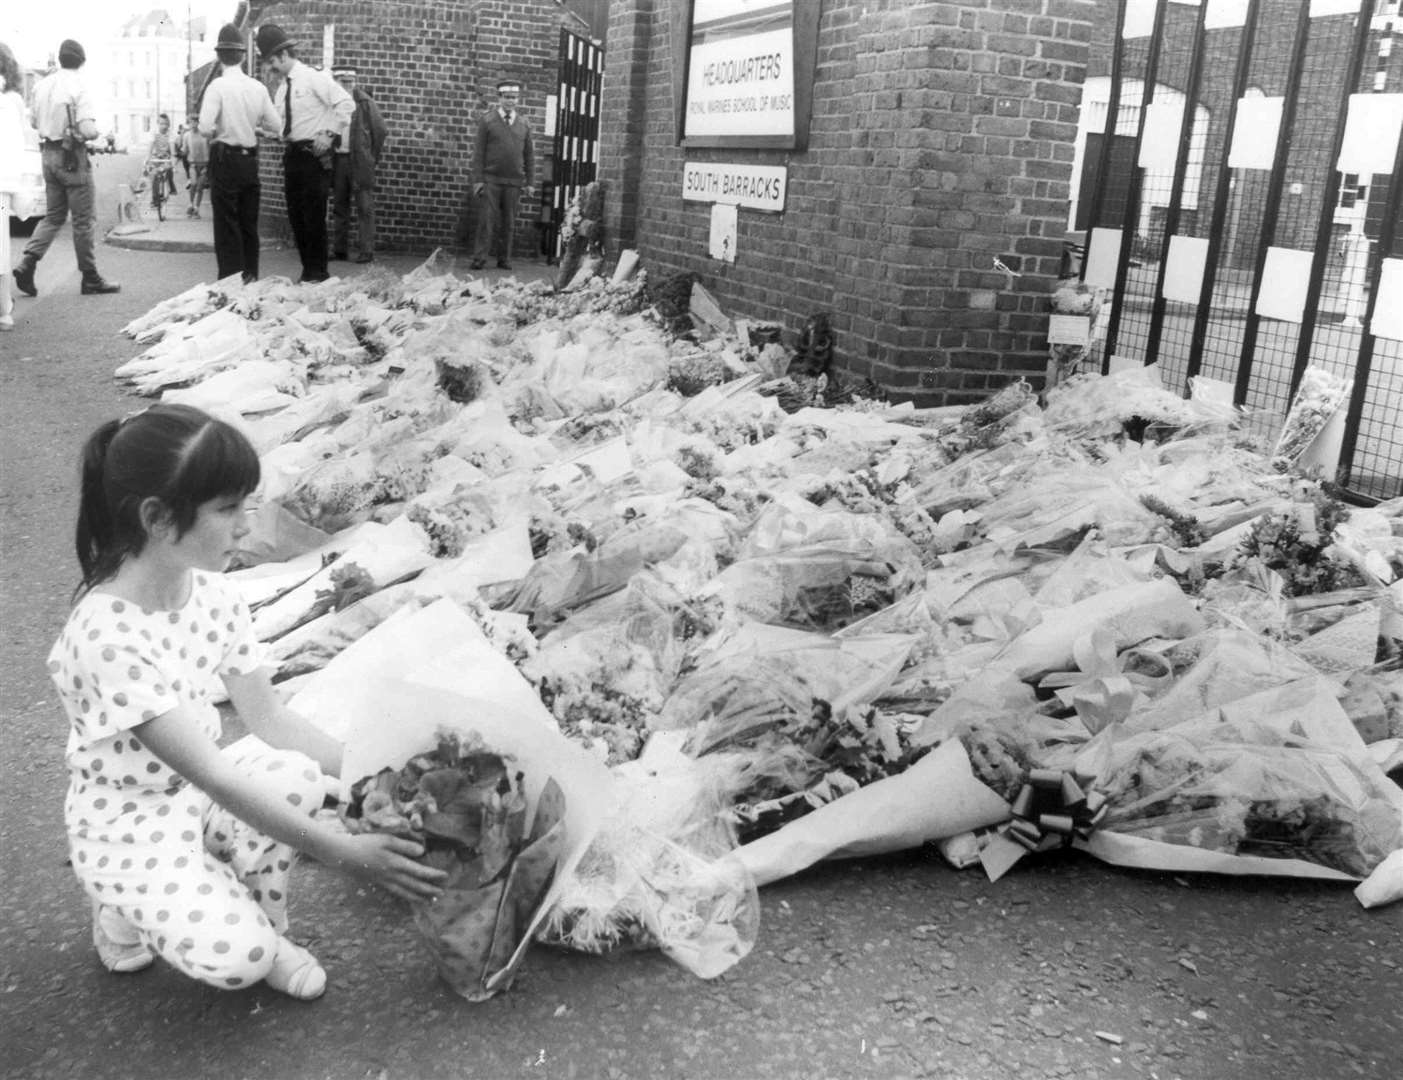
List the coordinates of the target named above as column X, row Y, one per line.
column 161, row 176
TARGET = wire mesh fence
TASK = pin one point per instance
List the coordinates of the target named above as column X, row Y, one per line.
column 1223, row 219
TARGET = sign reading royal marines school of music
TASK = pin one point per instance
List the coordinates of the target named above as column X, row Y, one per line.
column 756, row 187
column 740, row 73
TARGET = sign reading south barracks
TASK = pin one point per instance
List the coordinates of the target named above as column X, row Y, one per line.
column 757, row 187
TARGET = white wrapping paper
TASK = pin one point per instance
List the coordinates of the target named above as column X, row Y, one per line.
column 938, row 797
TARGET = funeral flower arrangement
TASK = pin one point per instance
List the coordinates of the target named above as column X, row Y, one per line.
column 841, row 627
column 467, row 805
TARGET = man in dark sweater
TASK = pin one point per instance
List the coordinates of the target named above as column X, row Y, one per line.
column 503, row 165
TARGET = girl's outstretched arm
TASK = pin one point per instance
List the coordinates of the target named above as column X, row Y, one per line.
column 176, row 738
column 260, row 708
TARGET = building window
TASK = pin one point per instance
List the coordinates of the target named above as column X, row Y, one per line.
column 148, row 87
column 146, row 123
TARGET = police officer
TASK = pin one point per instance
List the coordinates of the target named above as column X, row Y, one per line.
column 235, row 110
column 316, row 118
column 66, row 119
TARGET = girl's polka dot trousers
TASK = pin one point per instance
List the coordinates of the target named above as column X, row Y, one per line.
column 205, row 891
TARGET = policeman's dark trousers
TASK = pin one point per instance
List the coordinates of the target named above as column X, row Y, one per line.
column 306, row 186
column 234, row 195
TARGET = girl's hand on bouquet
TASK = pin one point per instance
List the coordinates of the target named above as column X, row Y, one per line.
column 388, row 861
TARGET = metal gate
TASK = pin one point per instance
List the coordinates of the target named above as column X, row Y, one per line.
column 1244, row 206
column 576, row 131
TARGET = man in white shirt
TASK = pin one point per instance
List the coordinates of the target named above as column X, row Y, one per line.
column 65, row 117
column 236, row 109
column 316, row 117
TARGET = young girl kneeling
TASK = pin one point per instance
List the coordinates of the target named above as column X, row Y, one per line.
column 185, row 848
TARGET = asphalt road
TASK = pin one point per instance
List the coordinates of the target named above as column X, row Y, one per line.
column 878, row 968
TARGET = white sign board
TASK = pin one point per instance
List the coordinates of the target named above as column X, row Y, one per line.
column 756, row 187
column 1388, row 309
column 723, row 232
column 740, row 76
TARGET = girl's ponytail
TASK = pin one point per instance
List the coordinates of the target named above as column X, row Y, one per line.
column 98, row 550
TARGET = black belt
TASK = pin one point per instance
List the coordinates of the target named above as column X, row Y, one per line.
column 51, row 144
column 230, row 148
column 300, row 144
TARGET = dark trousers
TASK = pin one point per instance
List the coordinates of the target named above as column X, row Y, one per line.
column 306, row 186
column 233, row 198
column 496, row 220
column 345, row 191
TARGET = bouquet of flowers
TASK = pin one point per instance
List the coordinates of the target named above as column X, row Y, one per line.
column 1245, row 788
column 1317, row 399
column 467, row 805
column 499, row 798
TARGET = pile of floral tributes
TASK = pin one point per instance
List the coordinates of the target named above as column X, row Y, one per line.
column 796, row 630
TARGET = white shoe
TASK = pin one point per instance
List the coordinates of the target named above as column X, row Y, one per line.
column 118, row 944
column 296, row 972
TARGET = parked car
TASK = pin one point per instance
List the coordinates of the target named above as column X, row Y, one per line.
column 31, row 202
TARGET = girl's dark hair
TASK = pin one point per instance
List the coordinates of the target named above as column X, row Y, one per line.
column 9, row 67
column 175, row 453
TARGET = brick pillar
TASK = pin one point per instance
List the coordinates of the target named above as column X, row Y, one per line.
column 623, row 118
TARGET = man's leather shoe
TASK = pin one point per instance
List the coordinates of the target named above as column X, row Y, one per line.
column 476, row 264
column 502, row 264
column 24, row 281
column 100, row 285
column 312, row 279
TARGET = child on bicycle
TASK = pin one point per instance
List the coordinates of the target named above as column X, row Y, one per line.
column 183, row 847
column 160, row 164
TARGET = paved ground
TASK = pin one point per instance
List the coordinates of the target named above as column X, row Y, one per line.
column 879, row 968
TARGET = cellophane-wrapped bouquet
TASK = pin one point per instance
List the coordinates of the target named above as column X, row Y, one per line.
column 467, row 805
column 1248, row 788
column 1317, row 399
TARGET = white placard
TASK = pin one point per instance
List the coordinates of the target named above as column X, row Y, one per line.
column 1284, row 281
column 1102, row 255
column 1388, row 309
column 723, row 231
column 1320, row 8
column 740, row 75
column 1139, row 18
column 1159, row 146
column 757, row 187
column 328, row 47
column 1225, row 13
column 1183, row 268
column 1254, row 133
column 552, row 104
column 1371, row 133
column 1069, row 330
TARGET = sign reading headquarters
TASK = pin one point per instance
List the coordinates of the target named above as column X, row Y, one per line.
column 740, row 73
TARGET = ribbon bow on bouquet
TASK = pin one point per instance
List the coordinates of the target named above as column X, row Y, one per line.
column 1052, row 810
column 1102, row 691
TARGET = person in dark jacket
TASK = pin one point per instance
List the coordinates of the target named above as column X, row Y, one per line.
column 353, row 172
column 503, row 166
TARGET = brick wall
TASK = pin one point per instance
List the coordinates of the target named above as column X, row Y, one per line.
column 432, row 67
column 942, row 138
